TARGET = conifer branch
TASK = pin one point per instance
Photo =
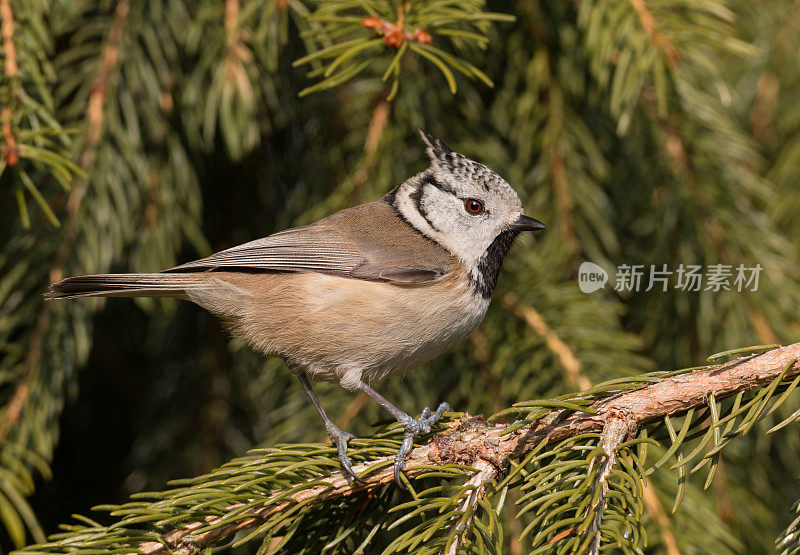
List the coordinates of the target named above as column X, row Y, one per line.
column 490, row 449
column 402, row 28
column 558, row 169
column 485, row 472
column 573, row 368
column 673, row 395
column 618, row 427
column 94, row 119
column 659, row 40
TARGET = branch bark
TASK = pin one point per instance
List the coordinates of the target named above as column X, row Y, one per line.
column 486, row 472
column 470, row 440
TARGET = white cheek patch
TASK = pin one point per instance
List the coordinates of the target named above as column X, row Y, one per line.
column 439, row 217
column 442, row 210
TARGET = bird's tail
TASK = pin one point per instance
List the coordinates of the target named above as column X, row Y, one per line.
column 125, row 285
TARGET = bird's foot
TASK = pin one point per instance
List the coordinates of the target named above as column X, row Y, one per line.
column 413, row 427
column 340, row 439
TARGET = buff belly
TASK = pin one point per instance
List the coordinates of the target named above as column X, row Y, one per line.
column 341, row 329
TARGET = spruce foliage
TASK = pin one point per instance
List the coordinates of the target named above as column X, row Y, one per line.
column 136, row 135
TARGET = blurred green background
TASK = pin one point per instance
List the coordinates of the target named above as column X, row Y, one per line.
column 658, row 132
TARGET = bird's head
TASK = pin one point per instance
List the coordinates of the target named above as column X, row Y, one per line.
column 465, row 207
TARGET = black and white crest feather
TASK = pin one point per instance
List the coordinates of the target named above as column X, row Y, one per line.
column 445, row 160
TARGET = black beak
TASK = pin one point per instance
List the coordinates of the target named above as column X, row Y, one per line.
column 525, row 223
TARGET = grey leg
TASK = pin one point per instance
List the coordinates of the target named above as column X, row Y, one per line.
column 338, row 437
column 412, row 426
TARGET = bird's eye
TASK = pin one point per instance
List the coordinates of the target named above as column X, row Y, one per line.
column 473, row 206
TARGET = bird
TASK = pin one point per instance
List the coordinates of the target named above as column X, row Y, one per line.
column 363, row 294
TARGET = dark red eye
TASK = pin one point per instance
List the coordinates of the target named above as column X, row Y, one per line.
column 473, row 206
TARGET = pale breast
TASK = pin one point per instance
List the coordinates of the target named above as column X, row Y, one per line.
column 342, row 329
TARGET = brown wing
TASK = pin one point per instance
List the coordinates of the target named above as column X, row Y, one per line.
column 365, row 242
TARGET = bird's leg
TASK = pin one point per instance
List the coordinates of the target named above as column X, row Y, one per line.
column 412, row 426
column 338, row 437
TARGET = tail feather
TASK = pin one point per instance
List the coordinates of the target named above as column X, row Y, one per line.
column 124, row 285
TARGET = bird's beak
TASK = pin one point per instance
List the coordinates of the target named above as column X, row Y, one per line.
column 526, row 223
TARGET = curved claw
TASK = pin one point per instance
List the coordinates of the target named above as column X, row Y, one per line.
column 340, row 438
column 414, row 427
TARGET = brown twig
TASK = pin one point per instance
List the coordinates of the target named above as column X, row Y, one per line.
column 353, row 408
column 566, row 206
column 567, row 359
column 94, row 118
column 558, row 169
column 486, row 472
column 10, row 152
column 659, row 40
column 469, row 440
column 513, row 524
column 377, row 125
column 618, row 427
column 238, row 53
column 480, row 350
column 656, row 510
column 7, row 29
column 763, row 109
column 683, row 166
column 97, row 97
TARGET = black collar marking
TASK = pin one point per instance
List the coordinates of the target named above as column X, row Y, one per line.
column 391, row 200
column 416, row 196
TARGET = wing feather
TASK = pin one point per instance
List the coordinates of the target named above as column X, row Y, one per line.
column 334, row 246
column 305, row 248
